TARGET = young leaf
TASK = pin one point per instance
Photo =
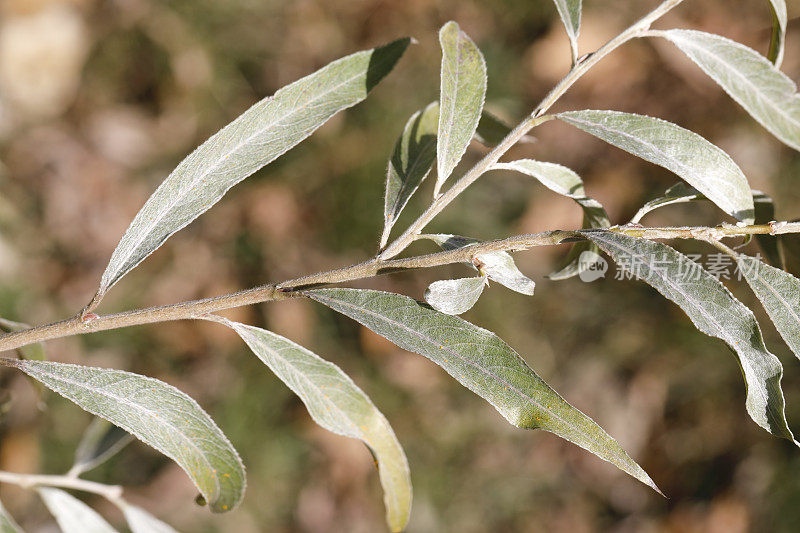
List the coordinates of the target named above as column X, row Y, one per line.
column 570, row 13
column 779, row 20
column 140, row 521
column 480, row 361
column 565, row 182
column 157, row 414
column 498, row 266
column 338, row 405
column 101, row 441
column 765, row 92
column 463, row 89
column 410, row 164
column 7, row 523
column 700, row 163
column 258, row 136
column 677, row 194
column 714, row 311
column 779, row 293
column 72, row 515
column 455, row 296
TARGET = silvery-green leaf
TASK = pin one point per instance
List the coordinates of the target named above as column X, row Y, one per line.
column 31, row 351
column 765, row 92
column 565, row 182
column 157, row 414
column 463, row 89
column 714, row 311
column 455, row 296
column 410, row 163
column 140, row 521
column 72, row 515
column 340, row 406
column 258, row 136
column 779, row 293
column 765, row 213
column 7, row 523
column 570, row 13
column 499, row 266
column 779, row 20
column 704, row 166
column 480, row 361
column 677, row 194
column 101, row 441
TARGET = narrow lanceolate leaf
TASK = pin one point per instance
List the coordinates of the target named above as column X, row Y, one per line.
column 704, row 166
column 677, row 194
column 779, row 20
column 498, row 266
column 463, row 90
column 480, row 361
column 455, row 296
column 570, row 13
column 565, row 182
column 410, row 163
column 257, row 137
column 72, row 515
column 7, row 523
column 714, row 311
column 140, row 521
column 779, row 293
column 765, row 92
column 338, row 405
column 101, row 441
column 156, row 413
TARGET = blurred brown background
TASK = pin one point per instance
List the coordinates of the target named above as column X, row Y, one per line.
column 99, row 100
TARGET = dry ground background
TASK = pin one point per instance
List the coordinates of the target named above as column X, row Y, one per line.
column 100, row 99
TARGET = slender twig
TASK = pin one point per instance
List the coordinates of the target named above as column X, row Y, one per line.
column 536, row 118
column 29, row 481
column 374, row 267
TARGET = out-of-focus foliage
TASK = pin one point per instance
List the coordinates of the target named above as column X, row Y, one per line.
column 100, row 100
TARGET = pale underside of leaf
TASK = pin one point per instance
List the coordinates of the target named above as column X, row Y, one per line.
column 336, row 403
column 157, row 414
column 455, row 296
column 480, row 361
column 780, row 19
column 72, row 515
column 7, row 523
column 779, row 293
column 566, row 182
column 766, row 93
column 258, row 136
column 463, row 90
column 140, row 521
column 570, row 13
column 690, row 156
column 101, row 441
column 714, row 311
column 498, row 266
column 677, row 194
column 410, row 164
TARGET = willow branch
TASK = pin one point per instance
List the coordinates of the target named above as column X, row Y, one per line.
column 29, row 481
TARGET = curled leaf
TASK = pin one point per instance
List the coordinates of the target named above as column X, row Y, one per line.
column 101, row 441
column 455, row 296
column 140, row 521
column 779, row 20
column 72, row 515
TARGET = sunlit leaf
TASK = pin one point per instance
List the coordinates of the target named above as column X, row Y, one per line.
column 410, row 163
column 565, row 182
column 101, row 441
column 480, row 361
column 338, row 405
column 704, row 166
column 779, row 293
column 779, row 20
column 140, row 521
column 7, row 523
column 765, row 92
column 677, row 194
column 498, row 266
column 156, row 413
column 570, row 12
column 455, row 296
column 463, row 89
column 72, row 515
column 258, row 136
column 714, row 311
